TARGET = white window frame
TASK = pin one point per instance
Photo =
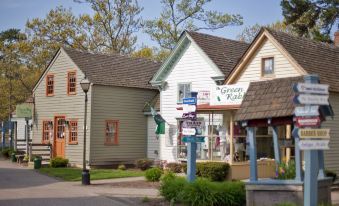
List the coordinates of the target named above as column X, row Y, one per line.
column 185, row 95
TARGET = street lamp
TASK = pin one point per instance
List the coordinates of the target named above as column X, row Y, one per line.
column 85, row 84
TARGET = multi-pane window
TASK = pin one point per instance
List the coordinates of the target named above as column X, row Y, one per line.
column 111, row 132
column 60, row 130
column 73, row 132
column 184, row 91
column 50, row 85
column 71, row 83
column 46, row 132
column 267, row 66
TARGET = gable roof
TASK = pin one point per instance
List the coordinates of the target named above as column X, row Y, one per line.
column 225, row 53
column 114, row 69
column 314, row 57
column 268, row 99
column 222, row 53
column 310, row 56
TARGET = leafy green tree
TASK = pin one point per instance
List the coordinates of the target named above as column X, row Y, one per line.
column 180, row 15
column 250, row 32
column 155, row 54
column 311, row 18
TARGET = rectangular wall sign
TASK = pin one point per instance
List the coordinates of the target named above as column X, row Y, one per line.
column 204, row 97
column 314, row 144
column 228, row 94
column 306, row 110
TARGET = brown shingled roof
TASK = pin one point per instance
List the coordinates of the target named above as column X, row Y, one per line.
column 314, row 57
column 268, row 99
column 225, row 53
column 114, row 69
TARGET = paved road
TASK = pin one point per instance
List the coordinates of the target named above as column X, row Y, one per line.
column 21, row 186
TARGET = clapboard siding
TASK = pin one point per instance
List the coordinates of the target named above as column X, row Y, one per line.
column 126, row 105
column 70, row 106
column 332, row 155
column 282, row 67
column 192, row 67
column 152, row 140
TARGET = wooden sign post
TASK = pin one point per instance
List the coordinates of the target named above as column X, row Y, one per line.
column 313, row 141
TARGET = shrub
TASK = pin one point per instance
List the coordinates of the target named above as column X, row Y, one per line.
column 59, row 162
column 153, row 174
column 332, row 174
column 144, row 164
column 171, row 186
column 6, row 152
column 286, row 171
column 215, row 171
column 121, row 167
column 202, row 191
column 174, row 167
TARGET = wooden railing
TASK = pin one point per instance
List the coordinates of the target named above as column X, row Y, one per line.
column 42, row 150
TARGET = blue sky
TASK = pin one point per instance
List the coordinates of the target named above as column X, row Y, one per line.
column 14, row 13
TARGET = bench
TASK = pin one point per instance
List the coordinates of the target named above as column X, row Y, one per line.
column 19, row 158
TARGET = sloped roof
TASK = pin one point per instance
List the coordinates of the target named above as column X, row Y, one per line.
column 314, row 57
column 114, row 69
column 225, row 53
column 155, row 103
column 268, row 99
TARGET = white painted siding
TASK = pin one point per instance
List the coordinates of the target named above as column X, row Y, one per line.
column 152, row 140
column 332, row 155
column 282, row 67
column 70, row 106
column 193, row 68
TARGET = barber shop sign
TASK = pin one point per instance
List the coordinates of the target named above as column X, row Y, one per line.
column 228, row 94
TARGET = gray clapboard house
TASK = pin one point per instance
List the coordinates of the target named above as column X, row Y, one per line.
column 116, row 124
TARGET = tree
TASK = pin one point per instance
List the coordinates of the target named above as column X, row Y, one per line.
column 250, row 32
column 155, row 54
column 180, row 15
column 311, row 18
column 115, row 22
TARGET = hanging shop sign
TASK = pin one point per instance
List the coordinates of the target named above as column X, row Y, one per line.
column 228, row 94
column 307, row 110
column 314, row 144
column 312, row 133
column 311, row 99
column 188, row 131
column 311, row 88
column 193, row 124
column 308, row 121
column 204, row 97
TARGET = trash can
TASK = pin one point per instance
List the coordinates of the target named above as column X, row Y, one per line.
column 13, row 158
column 37, row 162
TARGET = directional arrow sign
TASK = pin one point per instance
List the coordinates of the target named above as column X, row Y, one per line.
column 188, row 131
column 193, row 139
column 306, row 110
column 191, row 100
column 314, row 144
column 187, row 108
column 311, row 88
column 308, row 121
column 311, row 99
column 193, row 124
column 311, row 133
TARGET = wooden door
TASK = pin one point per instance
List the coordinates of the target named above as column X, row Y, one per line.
column 59, row 136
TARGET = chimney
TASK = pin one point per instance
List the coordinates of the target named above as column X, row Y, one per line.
column 336, row 37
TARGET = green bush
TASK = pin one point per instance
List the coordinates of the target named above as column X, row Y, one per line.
column 332, row 174
column 59, row 162
column 121, row 167
column 153, row 174
column 174, row 167
column 7, row 152
column 144, row 164
column 215, row 171
column 171, row 186
column 202, row 191
column 286, row 171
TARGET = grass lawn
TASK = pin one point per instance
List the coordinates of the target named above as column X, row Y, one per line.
column 74, row 174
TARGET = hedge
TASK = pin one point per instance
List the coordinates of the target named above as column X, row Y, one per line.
column 59, row 162
column 143, row 164
column 202, row 192
column 215, row 171
column 153, row 174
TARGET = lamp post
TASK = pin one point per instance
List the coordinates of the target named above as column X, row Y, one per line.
column 85, row 84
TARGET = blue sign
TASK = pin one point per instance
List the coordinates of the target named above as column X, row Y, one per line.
column 193, row 139
column 190, row 100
